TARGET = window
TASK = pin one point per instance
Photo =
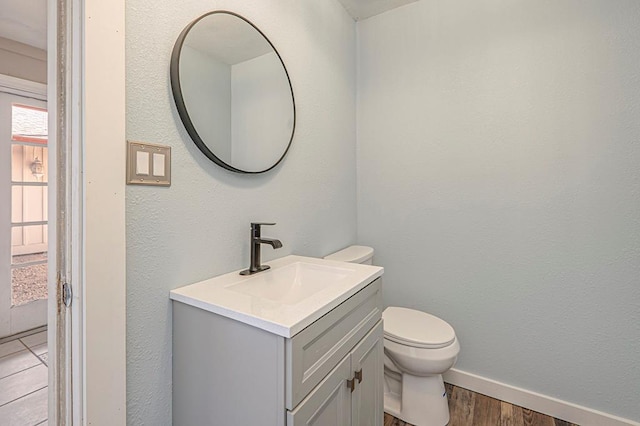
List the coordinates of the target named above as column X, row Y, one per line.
column 29, row 162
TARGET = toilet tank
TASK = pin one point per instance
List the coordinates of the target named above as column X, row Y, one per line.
column 353, row 254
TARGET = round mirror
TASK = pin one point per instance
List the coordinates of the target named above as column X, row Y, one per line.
column 233, row 93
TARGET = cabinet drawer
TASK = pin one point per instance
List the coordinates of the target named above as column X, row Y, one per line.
column 316, row 350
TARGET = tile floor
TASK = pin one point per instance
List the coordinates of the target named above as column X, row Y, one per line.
column 23, row 381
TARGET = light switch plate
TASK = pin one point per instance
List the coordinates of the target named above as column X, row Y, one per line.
column 148, row 164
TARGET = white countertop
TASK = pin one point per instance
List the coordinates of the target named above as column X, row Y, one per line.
column 276, row 316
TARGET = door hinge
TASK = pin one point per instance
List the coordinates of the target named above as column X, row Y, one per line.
column 67, row 294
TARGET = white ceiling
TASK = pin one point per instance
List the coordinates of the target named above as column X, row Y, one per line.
column 363, row 9
column 24, row 21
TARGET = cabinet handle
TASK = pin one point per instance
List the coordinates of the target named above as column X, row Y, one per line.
column 351, row 384
column 358, row 375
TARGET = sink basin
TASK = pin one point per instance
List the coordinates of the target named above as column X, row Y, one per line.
column 292, row 283
column 283, row 300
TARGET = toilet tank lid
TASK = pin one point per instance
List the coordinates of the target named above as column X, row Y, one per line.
column 352, row 254
column 416, row 328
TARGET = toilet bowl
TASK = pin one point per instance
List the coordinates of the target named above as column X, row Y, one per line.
column 418, row 349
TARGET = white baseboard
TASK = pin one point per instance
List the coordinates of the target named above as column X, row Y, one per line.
column 534, row 401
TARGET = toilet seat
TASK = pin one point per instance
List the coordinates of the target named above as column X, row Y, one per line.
column 416, row 329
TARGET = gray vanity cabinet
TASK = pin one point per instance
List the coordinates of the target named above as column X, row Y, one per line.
column 226, row 372
column 367, row 400
column 351, row 394
column 329, row 404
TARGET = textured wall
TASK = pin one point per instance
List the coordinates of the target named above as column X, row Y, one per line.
column 498, row 180
column 199, row 227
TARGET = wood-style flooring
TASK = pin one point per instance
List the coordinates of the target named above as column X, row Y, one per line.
column 468, row 408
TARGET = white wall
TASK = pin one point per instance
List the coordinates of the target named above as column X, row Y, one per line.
column 199, row 227
column 498, row 180
column 206, row 83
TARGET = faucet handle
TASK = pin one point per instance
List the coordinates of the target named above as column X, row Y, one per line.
column 255, row 227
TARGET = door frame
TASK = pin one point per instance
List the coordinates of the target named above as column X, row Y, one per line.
column 86, row 69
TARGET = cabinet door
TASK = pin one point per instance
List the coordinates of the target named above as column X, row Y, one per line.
column 329, row 404
column 317, row 349
column 367, row 404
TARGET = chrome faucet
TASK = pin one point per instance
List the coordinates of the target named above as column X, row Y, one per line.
column 256, row 241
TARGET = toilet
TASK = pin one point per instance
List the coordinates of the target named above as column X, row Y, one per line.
column 418, row 349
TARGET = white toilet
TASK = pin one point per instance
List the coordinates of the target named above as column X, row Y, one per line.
column 418, row 349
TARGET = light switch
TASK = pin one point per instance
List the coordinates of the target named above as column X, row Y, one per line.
column 142, row 163
column 158, row 164
column 148, row 164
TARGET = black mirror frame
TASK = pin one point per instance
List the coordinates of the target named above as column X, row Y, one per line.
column 174, row 72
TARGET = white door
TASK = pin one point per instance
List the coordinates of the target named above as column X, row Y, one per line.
column 23, row 213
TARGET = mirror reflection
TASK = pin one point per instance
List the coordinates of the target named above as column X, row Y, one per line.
column 233, row 93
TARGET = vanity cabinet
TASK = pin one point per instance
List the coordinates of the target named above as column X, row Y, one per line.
column 351, row 394
column 227, row 372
